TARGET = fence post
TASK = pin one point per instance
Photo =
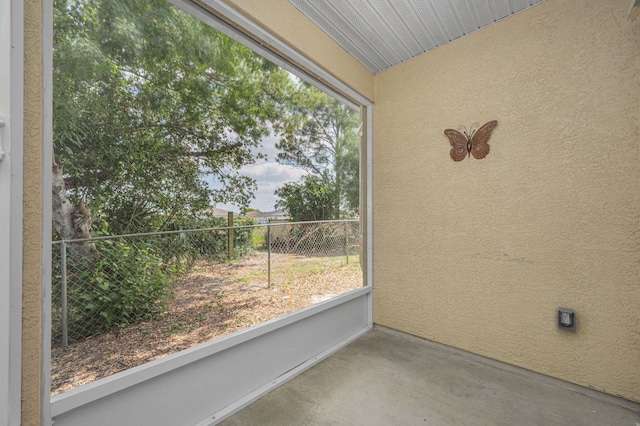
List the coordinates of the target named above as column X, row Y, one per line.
column 63, row 293
column 346, row 240
column 230, row 225
column 268, row 256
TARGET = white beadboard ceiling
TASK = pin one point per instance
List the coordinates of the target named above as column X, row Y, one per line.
column 384, row 33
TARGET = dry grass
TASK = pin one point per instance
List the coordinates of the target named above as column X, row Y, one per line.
column 212, row 301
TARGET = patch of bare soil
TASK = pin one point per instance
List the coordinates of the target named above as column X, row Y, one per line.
column 214, row 300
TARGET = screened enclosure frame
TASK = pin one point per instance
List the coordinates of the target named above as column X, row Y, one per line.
column 11, row 208
column 209, row 382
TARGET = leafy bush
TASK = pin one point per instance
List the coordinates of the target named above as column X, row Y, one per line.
column 126, row 281
column 124, row 284
column 212, row 244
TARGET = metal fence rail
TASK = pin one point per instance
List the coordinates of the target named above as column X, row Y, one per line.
column 106, row 283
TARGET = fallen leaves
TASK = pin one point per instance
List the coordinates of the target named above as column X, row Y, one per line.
column 214, row 300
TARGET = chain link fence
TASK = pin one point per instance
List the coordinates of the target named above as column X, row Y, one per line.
column 105, row 284
column 294, row 247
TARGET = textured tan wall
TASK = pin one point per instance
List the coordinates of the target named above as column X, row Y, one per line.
column 32, row 219
column 476, row 255
column 283, row 20
column 479, row 254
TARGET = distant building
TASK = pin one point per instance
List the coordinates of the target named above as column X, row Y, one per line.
column 261, row 218
column 220, row 212
column 253, row 215
column 266, row 217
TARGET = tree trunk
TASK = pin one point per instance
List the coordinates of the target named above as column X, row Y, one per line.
column 71, row 223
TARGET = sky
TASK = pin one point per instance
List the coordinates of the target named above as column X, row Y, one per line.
column 269, row 175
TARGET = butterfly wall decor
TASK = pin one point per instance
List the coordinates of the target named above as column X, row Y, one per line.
column 473, row 143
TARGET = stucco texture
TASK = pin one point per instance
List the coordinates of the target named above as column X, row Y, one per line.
column 32, row 354
column 479, row 254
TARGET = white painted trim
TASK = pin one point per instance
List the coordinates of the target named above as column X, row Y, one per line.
column 47, row 161
column 91, row 392
column 11, row 182
column 287, row 51
column 93, row 395
column 238, row 405
column 222, row 375
column 213, row 21
column 369, row 207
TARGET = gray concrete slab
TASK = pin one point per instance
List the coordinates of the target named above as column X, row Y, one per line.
column 389, row 378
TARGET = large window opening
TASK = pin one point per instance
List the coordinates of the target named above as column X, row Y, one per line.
column 199, row 189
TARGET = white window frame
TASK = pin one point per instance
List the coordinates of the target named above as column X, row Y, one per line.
column 332, row 324
column 11, row 112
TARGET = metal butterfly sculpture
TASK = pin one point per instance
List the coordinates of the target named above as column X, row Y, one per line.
column 474, row 143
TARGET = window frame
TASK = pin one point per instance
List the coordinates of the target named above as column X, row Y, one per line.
column 11, row 169
column 59, row 406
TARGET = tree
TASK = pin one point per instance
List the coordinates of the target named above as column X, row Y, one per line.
column 322, row 136
column 147, row 99
column 308, row 200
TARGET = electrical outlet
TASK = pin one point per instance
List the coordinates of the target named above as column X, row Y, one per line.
column 567, row 319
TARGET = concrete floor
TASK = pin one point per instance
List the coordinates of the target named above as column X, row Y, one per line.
column 389, row 378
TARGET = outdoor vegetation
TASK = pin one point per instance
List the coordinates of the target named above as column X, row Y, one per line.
column 148, row 102
column 324, row 139
column 212, row 299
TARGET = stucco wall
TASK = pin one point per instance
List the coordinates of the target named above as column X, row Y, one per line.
column 284, row 21
column 479, row 254
column 32, row 354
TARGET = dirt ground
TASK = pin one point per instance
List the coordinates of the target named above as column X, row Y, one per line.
column 214, row 300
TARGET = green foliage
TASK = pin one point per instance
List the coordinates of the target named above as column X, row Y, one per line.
column 130, row 279
column 259, row 237
column 321, row 136
column 147, row 100
column 124, row 285
column 212, row 244
column 310, row 199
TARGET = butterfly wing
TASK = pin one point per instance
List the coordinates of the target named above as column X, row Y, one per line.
column 459, row 144
column 479, row 142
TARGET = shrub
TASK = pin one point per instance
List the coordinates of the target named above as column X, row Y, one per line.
column 123, row 285
column 213, row 244
column 130, row 280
